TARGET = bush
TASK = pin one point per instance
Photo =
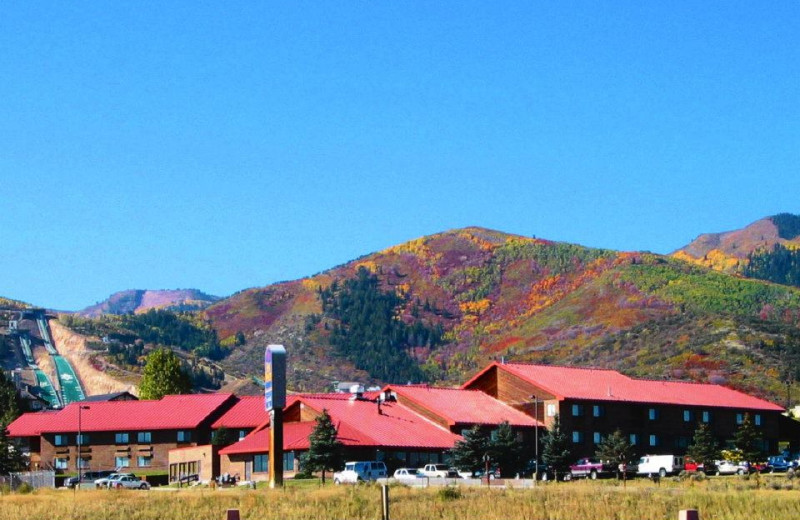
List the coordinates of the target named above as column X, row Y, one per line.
column 449, row 493
column 24, row 488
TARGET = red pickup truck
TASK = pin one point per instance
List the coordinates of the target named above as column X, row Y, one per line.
column 590, row 468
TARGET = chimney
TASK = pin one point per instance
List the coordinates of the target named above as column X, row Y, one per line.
column 380, row 412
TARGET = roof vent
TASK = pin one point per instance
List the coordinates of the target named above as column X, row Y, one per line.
column 357, row 392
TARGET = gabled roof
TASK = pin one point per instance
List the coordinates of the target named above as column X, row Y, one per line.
column 463, row 406
column 31, row 424
column 295, row 437
column 610, row 385
column 248, row 412
column 172, row 412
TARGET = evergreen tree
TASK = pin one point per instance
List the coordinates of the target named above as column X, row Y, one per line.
column 555, row 449
column 747, row 440
column 222, row 437
column 163, row 375
column 615, row 448
column 468, row 454
column 11, row 458
column 507, row 450
column 325, row 450
column 704, row 448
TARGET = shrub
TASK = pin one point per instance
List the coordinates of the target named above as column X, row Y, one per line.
column 24, row 488
column 449, row 493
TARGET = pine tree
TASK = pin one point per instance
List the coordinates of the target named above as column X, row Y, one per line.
column 555, row 449
column 11, row 458
column 704, row 448
column 747, row 440
column 325, row 450
column 615, row 448
column 163, row 375
column 507, row 450
column 468, row 454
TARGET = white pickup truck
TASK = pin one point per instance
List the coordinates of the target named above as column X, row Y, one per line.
column 438, row 471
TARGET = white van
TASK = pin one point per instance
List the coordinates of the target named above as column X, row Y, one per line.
column 360, row 471
column 661, row 465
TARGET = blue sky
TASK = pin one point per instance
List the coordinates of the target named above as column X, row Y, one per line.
column 226, row 145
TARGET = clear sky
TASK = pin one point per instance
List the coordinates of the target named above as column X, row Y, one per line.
column 227, row 145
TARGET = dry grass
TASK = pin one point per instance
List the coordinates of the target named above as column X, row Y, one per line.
column 722, row 499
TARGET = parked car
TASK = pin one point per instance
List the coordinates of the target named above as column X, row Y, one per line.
column 103, row 482
column 88, row 476
column 592, row 468
column 726, row 467
column 778, row 463
column 406, row 474
column 360, row 471
column 661, row 465
column 128, row 482
column 439, row 470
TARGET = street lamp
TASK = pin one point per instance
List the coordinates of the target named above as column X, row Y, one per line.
column 78, row 459
column 536, row 442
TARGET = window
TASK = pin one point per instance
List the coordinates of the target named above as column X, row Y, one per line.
column 597, row 438
column 634, row 439
column 144, row 437
column 122, row 462
column 83, row 463
column 681, row 442
column 652, row 414
column 653, row 440
column 739, row 418
column 242, row 434
column 260, row 463
column 577, row 437
column 288, row 460
column 60, row 463
column 706, row 416
column 144, row 461
column 83, row 439
column 757, row 419
column 184, row 436
column 551, row 410
column 598, row 411
column 577, row 410
column 121, row 438
column 60, row 440
column 687, row 416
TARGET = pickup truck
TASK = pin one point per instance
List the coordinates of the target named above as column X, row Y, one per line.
column 590, row 468
column 438, row 471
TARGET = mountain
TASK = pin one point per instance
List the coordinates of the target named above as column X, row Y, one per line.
column 439, row 307
column 137, row 301
column 729, row 251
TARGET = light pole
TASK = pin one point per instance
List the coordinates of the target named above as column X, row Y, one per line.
column 536, row 442
column 78, row 459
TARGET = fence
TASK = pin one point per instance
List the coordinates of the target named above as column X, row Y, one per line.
column 35, row 479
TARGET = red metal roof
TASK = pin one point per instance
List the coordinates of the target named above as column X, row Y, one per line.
column 249, row 412
column 31, row 424
column 295, row 437
column 462, row 406
column 172, row 412
column 360, row 424
column 609, row 385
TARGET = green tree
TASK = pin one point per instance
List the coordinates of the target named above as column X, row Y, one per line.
column 704, row 448
column 222, row 437
column 468, row 454
column 11, row 458
column 163, row 375
column 747, row 440
column 507, row 450
column 325, row 450
column 615, row 448
column 555, row 449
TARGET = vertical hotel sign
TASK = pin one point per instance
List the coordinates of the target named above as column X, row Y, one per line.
column 274, row 401
column 274, row 377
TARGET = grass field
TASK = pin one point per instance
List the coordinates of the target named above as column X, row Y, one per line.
column 768, row 498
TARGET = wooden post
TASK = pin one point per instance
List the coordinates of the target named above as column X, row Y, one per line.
column 688, row 514
column 385, row 501
column 232, row 514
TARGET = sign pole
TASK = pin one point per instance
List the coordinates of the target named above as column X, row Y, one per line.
column 274, row 401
